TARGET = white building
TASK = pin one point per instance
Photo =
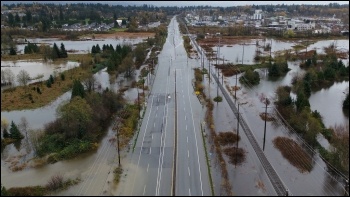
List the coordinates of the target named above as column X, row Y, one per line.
column 257, row 15
column 300, row 25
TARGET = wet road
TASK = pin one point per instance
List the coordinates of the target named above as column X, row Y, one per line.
column 157, row 166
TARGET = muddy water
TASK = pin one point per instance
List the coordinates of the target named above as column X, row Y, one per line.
column 316, row 182
column 94, row 166
column 81, row 47
column 246, row 50
column 37, row 67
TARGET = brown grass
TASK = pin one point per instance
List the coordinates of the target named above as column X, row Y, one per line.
column 294, row 153
column 227, row 138
column 237, row 156
column 268, row 117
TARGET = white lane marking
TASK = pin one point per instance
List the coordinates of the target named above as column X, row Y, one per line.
column 189, row 191
column 186, row 127
column 162, row 143
column 188, row 153
column 152, row 136
column 138, row 162
column 195, row 136
column 144, row 189
column 150, row 150
column 154, row 124
column 147, row 167
column 189, row 174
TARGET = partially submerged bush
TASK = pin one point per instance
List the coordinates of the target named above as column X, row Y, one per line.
column 226, row 138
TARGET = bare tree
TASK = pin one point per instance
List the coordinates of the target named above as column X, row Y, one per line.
column 10, row 77
column 7, row 76
column 24, row 125
column 23, row 77
column 34, row 136
column 3, row 78
column 90, row 83
column 4, row 124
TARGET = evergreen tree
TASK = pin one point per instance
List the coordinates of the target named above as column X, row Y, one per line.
column 14, row 132
column 4, row 192
column 17, row 19
column 13, row 51
column 78, row 89
column 11, row 19
column 5, row 133
column 63, row 51
column 98, row 49
column 93, row 49
column 55, row 52
column 51, row 79
column 346, row 102
column 48, row 83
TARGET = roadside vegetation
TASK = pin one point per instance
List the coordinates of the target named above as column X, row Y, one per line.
column 213, row 139
column 55, row 183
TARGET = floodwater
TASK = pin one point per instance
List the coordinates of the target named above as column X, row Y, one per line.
column 37, row 67
column 100, row 161
column 81, row 47
column 247, row 49
column 247, row 179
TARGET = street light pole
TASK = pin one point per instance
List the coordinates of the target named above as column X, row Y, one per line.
column 138, row 101
column 222, row 75
column 237, row 133
column 243, row 54
column 265, row 123
column 118, row 144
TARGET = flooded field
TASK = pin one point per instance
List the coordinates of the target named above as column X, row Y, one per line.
column 82, row 47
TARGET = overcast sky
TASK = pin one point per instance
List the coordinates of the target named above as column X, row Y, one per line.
column 189, row 3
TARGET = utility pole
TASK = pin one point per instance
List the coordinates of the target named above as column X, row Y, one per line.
column 209, row 71
column 217, row 89
column 118, row 143
column 222, row 75
column 116, row 128
column 266, row 103
column 202, row 62
column 236, row 87
column 187, row 60
column 270, row 50
column 243, row 54
column 237, row 134
column 138, row 101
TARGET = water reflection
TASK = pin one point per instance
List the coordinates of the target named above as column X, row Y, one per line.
column 35, row 68
column 247, row 49
column 328, row 102
column 81, row 47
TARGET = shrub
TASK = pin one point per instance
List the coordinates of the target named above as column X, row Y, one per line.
column 218, row 99
column 237, row 156
column 63, row 77
column 38, row 90
column 55, row 182
column 228, row 137
column 48, row 83
column 117, row 172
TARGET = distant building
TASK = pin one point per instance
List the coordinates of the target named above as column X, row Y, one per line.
column 257, row 15
column 119, row 22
